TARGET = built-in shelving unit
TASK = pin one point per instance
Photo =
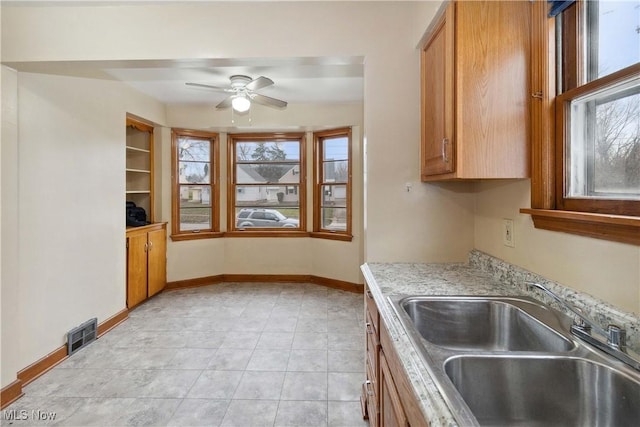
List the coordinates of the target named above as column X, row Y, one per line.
column 139, row 166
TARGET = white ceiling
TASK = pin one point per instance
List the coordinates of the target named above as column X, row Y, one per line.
column 324, row 80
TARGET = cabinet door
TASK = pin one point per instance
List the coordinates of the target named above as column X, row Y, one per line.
column 136, row 269
column 157, row 260
column 437, row 65
column 391, row 412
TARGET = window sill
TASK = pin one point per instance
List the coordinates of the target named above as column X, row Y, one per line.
column 617, row 228
column 264, row 233
column 196, row 235
column 332, row 236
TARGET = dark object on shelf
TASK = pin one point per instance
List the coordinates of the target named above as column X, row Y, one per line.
column 136, row 216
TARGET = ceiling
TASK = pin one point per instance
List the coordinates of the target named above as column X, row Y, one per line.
column 317, row 80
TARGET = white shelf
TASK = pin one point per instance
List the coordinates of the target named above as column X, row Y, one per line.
column 138, row 192
column 141, row 150
column 138, row 170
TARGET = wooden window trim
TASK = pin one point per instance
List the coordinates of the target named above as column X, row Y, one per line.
column 176, row 234
column 544, row 212
column 318, row 182
column 231, row 184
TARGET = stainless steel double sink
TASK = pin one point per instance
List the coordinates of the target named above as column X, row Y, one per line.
column 511, row 361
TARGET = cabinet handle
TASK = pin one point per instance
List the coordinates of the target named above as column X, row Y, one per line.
column 445, row 141
column 150, row 246
column 368, row 327
column 146, row 247
column 369, row 294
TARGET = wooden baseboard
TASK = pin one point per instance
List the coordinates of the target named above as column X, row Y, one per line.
column 13, row 391
column 268, row 278
column 43, row 365
column 194, row 283
column 112, row 322
column 10, row 393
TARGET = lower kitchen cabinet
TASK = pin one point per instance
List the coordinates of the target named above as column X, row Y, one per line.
column 146, row 262
column 387, row 398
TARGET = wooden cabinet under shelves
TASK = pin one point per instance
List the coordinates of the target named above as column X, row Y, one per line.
column 475, row 92
column 146, row 262
column 387, row 399
column 139, row 165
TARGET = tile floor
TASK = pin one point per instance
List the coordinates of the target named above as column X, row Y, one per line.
column 236, row 354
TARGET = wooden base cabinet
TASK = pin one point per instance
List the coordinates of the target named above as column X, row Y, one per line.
column 146, row 262
column 387, row 398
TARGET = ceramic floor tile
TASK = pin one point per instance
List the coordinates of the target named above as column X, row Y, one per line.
column 346, row 361
column 230, row 359
column 240, row 340
column 245, row 354
column 305, row 386
column 353, row 341
column 308, row 360
column 216, row 385
column 260, row 385
column 301, row 413
column 250, row 413
column 345, row 385
column 309, row 341
column 268, row 360
column 275, row 340
column 147, row 412
column 345, row 414
column 199, row 412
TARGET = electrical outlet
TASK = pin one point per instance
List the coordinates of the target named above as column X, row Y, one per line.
column 507, row 233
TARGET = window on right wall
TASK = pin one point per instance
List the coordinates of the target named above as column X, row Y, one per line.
column 598, row 108
column 586, row 118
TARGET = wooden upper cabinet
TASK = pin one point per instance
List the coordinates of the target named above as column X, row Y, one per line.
column 475, row 92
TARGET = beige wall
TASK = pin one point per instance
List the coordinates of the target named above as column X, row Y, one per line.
column 609, row 271
column 73, row 266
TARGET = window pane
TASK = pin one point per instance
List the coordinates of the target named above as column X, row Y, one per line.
column 195, row 207
column 604, row 155
column 280, row 217
column 248, row 173
column 335, row 148
column 334, row 219
column 267, row 151
column 334, row 195
column 613, row 36
column 336, row 171
column 193, row 149
column 194, row 173
column 267, row 195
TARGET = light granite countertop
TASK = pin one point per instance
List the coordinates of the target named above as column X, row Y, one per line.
column 482, row 275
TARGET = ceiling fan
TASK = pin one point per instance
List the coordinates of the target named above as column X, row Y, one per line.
column 243, row 92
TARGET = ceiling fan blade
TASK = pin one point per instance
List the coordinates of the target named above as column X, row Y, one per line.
column 267, row 100
column 259, row 83
column 221, row 89
column 226, row 103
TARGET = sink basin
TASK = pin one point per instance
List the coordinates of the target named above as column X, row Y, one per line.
column 483, row 324
column 545, row 391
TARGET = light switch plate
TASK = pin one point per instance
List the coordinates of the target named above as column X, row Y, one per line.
column 508, row 238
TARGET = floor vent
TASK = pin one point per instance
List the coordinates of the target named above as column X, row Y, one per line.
column 82, row 335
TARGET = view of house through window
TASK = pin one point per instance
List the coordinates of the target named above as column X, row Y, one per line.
column 601, row 111
column 267, row 189
column 194, row 200
column 332, row 192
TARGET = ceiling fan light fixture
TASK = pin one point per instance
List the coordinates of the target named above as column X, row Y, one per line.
column 240, row 103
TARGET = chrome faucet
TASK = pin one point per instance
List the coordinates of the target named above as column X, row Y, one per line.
column 616, row 344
